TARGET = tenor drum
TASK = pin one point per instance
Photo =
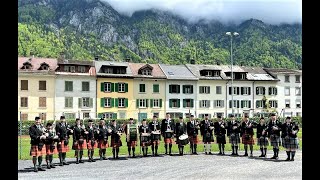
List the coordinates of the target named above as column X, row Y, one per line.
column 183, row 139
column 132, row 132
column 168, row 134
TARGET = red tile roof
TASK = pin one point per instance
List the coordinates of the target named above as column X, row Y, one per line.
column 36, row 63
column 156, row 71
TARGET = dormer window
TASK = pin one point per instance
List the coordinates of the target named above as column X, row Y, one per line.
column 242, row 76
column 26, row 65
column 121, row 70
column 208, row 73
column 69, row 68
column 108, row 70
column 72, row 68
column 81, row 69
column 216, row 73
column 44, row 66
column 146, row 72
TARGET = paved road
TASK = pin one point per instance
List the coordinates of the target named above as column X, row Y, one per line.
column 174, row 167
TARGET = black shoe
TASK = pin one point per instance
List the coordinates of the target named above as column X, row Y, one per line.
column 246, row 154
column 35, row 170
column 292, row 159
column 61, row 164
column 156, row 154
column 223, row 153
column 117, row 157
column 210, row 153
column 41, row 169
column 251, row 155
column 104, row 158
column 261, row 155
column 273, row 157
column 65, row 163
column 89, row 160
column 77, row 162
column 81, row 161
column 206, row 153
column 92, row 160
column 52, row 166
column 48, row 167
column 288, row 159
column 220, row 153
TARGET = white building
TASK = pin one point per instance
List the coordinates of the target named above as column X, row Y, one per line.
column 181, row 90
column 75, row 93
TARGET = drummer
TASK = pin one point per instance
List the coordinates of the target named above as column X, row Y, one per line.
column 154, row 127
column 131, row 143
column 144, row 137
column 167, row 129
column 181, row 129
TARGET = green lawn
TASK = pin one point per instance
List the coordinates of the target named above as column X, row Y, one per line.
column 25, row 145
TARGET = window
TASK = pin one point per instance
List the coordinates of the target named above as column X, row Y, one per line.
column 81, row 69
column 68, row 86
column 298, row 103
column 219, row 114
column 107, row 87
column 204, row 89
column 235, row 104
column 146, row 72
column 298, row 113
column 187, row 89
column 208, row 73
column 218, row 90
column 122, row 114
column 66, row 68
column 68, row 102
column 85, row 86
column 174, row 88
column 108, row 70
column 245, row 90
column 24, row 116
column 70, row 115
column 287, row 103
column 174, row 103
column 216, row 73
column 85, row 102
column 287, row 91
column 298, row 91
column 142, row 88
column 24, row 84
column 245, row 104
column 44, row 67
column 86, row 115
column 202, row 116
column 273, row 104
column 259, row 104
column 260, row 90
column 218, row 103
column 156, row 103
column 42, row 85
column 42, row 102
column 72, row 68
column 109, row 115
column 142, row 103
column 155, row 88
column 297, row 78
column 156, row 114
column 286, row 78
column 121, row 102
column 43, row 116
column 121, row 87
column 188, row 103
column 24, row 102
column 242, row 76
column 235, row 90
column 121, row 71
column 107, row 102
column 204, row 103
column 273, row 91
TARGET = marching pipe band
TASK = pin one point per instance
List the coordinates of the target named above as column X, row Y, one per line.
column 49, row 140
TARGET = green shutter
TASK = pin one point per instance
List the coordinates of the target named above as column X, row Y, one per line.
column 230, row 104
column 170, row 103
column 112, row 102
column 269, row 90
column 249, row 104
column 160, row 103
column 146, row 102
column 126, row 87
column 242, row 104
column 102, row 87
column 66, row 102
column 116, row 89
column 126, row 102
column 264, row 91
column 116, row 102
column 191, row 103
column 100, row 115
column 114, row 116
column 249, row 90
column 156, row 88
column 101, row 102
column 112, row 87
column 184, row 103
column 170, row 88
column 230, row 90
column 178, row 88
column 183, row 89
column 151, row 103
column 238, row 103
column 178, row 103
column 137, row 103
column 276, row 91
column 191, row 89
column 238, row 90
column 91, row 102
column 79, row 102
column 242, row 89
column 257, row 103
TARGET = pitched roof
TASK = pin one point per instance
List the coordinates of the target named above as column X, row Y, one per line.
column 156, row 70
column 177, row 72
column 75, row 62
column 258, row 73
column 196, row 68
column 36, row 63
column 282, row 71
column 99, row 64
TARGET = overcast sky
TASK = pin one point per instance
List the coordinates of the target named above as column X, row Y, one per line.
column 269, row 11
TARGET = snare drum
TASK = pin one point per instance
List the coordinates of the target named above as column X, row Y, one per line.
column 145, row 137
column 155, row 135
column 168, row 134
column 183, row 139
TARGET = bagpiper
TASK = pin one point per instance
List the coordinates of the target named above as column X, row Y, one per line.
column 274, row 128
column 51, row 149
column 79, row 141
column 116, row 132
column 131, row 142
column 145, row 138
column 206, row 130
column 220, row 132
column 233, row 133
column 63, row 131
column 167, row 130
column 262, row 137
column 247, row 135
column 103, row 139
column 193, row 131
column 92, row 136
column 155, row 129
column 180, row 129
column 289, row 138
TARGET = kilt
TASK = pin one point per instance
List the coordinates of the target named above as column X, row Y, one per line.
column 291, row 143
column 62, row 148
column 102, row 144
column 275, row 140
column 207, row 138
column 89, row 146
column 221, row 139
column 115, row 144
column 234, row 138
column 247, row 141
column 50, row 151
column 132, row 143
column 168, row 140
column 263, row 141
column 145, row 144
column 78, row 146
column 34, row 150
column 155, row 142
column 193, row 140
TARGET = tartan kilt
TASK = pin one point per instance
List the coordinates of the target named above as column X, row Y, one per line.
column 62, row 148
column 78, row 146
column 221, row 139
column 34, row 150
column 115, row 144
column 275, row 140
column 50, row 151
column 234, row 139
column 155, row 142
column 291, row 143
column 247, row 141
column 132, row 143
column 89, row 146
column 263, row 141
column 207, row 138
column 102, row 144
column 168, row 140
column 145, row 144
column 194, row 140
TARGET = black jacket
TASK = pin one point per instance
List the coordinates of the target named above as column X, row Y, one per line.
column 103, row 133
column 260, row 128
column 270, row 129
column 192, row 129
column 151, row 126
column 180, row 129
column 63, row 132
column 204, row 128
column 35, row 134
column 218, row 129
column 92, row 135
column 164, row 125
column 287, row 130
column 78, row 133
column 245, row 129
column 230, row 129
column 142, row 128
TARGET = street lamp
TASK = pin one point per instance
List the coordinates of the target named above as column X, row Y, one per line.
column 231, row 36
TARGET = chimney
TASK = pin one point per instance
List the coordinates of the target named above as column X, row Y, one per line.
column 62, row 55
column 96, row 58
column 192, row 61
column 128, row 59
column 218, row 62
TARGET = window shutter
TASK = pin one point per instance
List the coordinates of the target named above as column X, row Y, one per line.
column 238, row 90
column 191, row 89
column 191, row 103
column 146, row 102
column 116, row 102
column 230, row 103
column 257, row 90
column 269, row 90
column 184, row 102
column 170, row 103
column 264, row 90
column 276, row 91
column 178, row 88
column 230, row 90
column 79, row 102
column 112, row 102
column 242, row 104
column 66, row 102
column 241, row 90
column 183, row 89
column 208, row 89
column 200, row 103
column 208, row 103
column 222, row 103
column 214, row 103
column 151, row 103
column 170, row 88
column 126, row 102
column 238, row 103
column 102, row 87
column 126, row 87
column 100, row 115
column 276, row 104
column 90, row 102
column 249, row 103
column 178, row 100
column 257, row 103
column 116, row 89
column 114, row 116
column 137, row 103
column 112, row 87
column 249, row 90
column 101, row 102
column 160, row 102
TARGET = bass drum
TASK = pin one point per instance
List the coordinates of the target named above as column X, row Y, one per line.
column 183, row 139
column 132, row 132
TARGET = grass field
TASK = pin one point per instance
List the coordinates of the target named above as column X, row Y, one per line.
column 25, row 147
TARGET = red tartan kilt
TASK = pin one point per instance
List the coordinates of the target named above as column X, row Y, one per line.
column 155, row 142
column 168, row 140
column 193, row 140
column 132, row 143
column 49, row 151
column 102, row 145
column 89, row 146
column 34, row 151
column 62, row 148
column 245, row 141
column 114, row 144
column 79, row 146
